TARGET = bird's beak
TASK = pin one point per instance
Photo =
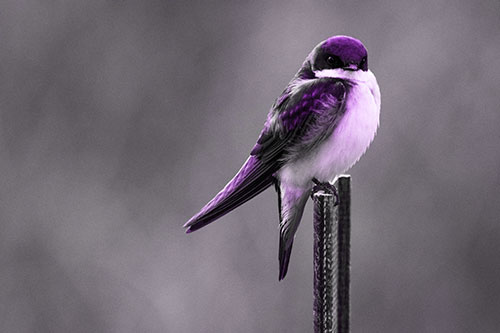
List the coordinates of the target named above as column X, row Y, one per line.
column 351, row 67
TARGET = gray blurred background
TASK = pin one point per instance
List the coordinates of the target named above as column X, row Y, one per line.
column 120, row 119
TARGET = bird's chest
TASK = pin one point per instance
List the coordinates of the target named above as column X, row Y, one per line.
column 352, row 136
column 347, row 143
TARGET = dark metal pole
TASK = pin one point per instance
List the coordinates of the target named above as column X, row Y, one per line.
column 332, row 231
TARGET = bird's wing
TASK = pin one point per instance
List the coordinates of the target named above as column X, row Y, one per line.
column 301, row 118
column 291, row 119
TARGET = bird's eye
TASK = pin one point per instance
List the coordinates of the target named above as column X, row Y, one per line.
column 363, row 62
column 333, row 61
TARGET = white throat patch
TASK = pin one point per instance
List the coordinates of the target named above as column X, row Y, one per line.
column 339, row 73
column 358, row 77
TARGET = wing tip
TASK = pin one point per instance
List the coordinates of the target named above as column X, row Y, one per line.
column 190, row 226
column 284, row 259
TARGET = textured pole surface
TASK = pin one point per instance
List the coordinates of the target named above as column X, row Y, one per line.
column 331, row 259
column 343, row 217
column 325, row 264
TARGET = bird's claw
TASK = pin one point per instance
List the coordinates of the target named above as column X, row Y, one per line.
column 326, row 187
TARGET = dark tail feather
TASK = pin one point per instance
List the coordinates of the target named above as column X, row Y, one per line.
column 292, row 201
column 253, row 178
column 284, row 258
column 284, row 253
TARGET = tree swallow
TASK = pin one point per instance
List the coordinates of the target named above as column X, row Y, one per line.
column 320, row 125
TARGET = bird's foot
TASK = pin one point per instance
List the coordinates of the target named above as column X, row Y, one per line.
column 326, row 187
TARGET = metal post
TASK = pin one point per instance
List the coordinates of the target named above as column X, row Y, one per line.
column 332, row 231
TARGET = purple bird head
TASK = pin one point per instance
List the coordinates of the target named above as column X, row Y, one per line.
column 342, row 52
column 336, row 52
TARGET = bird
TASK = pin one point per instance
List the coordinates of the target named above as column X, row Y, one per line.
column 320, row 125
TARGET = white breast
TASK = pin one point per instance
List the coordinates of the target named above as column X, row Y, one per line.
column 350, row 139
